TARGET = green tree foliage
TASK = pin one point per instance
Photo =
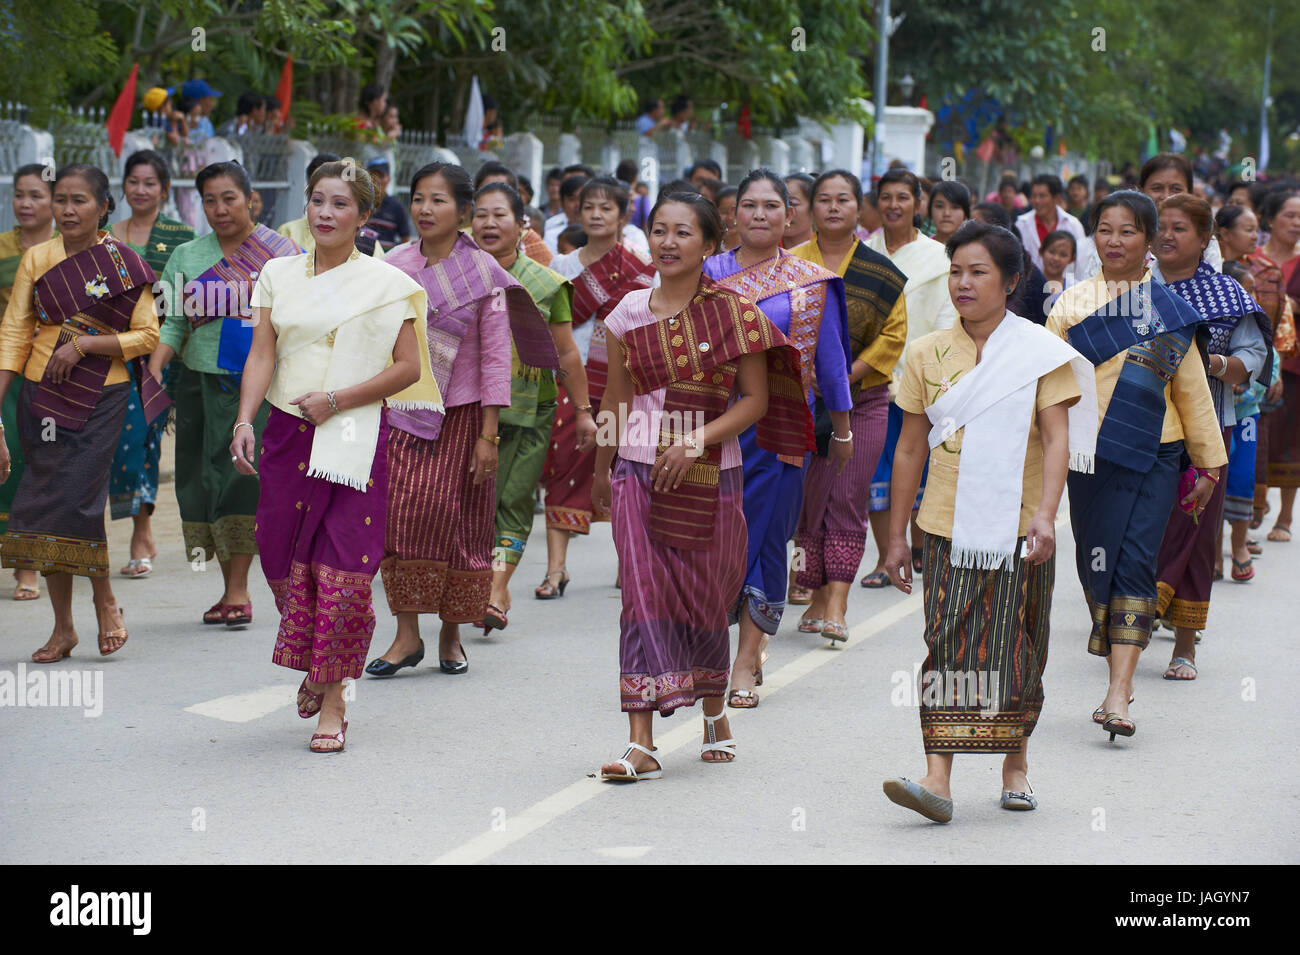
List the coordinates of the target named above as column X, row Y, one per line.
column 69, row 47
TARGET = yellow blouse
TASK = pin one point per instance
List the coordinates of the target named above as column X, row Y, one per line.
column 1189, row 408
column 882, row 353
column 931, row 365
column 27, row 344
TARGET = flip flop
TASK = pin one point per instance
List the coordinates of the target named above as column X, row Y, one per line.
column 876, row 581
column 1175, row 664
column 799, row 596
column 1252, row 545
column 742, row 699
column 26, row 592
column 1280, row 529
column 137, row 567
column 1246, row 568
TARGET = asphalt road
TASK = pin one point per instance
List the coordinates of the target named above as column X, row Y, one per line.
column 197, row 755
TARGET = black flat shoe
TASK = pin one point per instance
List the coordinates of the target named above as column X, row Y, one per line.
column 381, row 667
column 455, row 667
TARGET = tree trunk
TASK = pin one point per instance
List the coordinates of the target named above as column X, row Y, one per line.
column 385, row 63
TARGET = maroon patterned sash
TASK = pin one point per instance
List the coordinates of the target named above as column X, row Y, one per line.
column 92, row 292
column 695, row 355
column 604, row 283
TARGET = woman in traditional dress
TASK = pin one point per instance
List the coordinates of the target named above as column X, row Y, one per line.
column 208, row 283
column 133, row 488
column 800, row 228
column 806, row 304
column 81, row 308
column 995, row 404
column 442, row 466
column 1155, row 407
column 692, row 364
column 1243, row 447
column 524, row 427
column 334, row 337
column 1274, row 265
column 1270, row 294
column 532, row 245
column 1239, row 350
column 949, row 207
column 832, row 532
column 34, row 210
column 929, row 309
column 602, row 272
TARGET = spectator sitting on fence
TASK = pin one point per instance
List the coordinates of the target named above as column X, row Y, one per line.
column 374, row 100
column 276, row 122
column 390, row 122
column 297, row 229
column 492, row 171
column 202, row 98
column 390, row 220
column 568, row 210
column 571, row 238
column 703, row 169
column 250, row 116
column 683, row 114
column 158, row 102
column 652, row 118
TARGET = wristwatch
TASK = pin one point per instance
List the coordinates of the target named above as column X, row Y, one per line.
column 492, row 438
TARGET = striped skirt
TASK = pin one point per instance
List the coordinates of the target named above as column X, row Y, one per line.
column 438, row 540
column 1284, row 435
column 981, row 686
column 673, row 643
column 1186, row 562
column 832, row 531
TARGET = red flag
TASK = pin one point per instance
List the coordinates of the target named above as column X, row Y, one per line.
column 284, row 92
column 119, row 120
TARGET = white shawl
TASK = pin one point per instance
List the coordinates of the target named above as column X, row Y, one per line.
column 336, row 330
column 994, row 402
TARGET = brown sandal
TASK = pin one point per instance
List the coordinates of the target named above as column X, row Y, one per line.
column 108, row 637
column 51, row 654
column 549, row 591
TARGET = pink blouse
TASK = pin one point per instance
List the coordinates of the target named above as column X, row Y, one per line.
column 639, row 440
column 482, row 368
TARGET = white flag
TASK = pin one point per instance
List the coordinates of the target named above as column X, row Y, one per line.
column 474, row 116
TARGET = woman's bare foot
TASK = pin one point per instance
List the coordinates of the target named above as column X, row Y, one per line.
column 639, row 760
column 330, row 723
column 449, row 647
column 112, row 627
column 57, row 647
column 721, row 731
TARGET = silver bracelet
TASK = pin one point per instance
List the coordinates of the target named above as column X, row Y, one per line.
column 241, row 424
column 836, row 437
column 333, row 407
